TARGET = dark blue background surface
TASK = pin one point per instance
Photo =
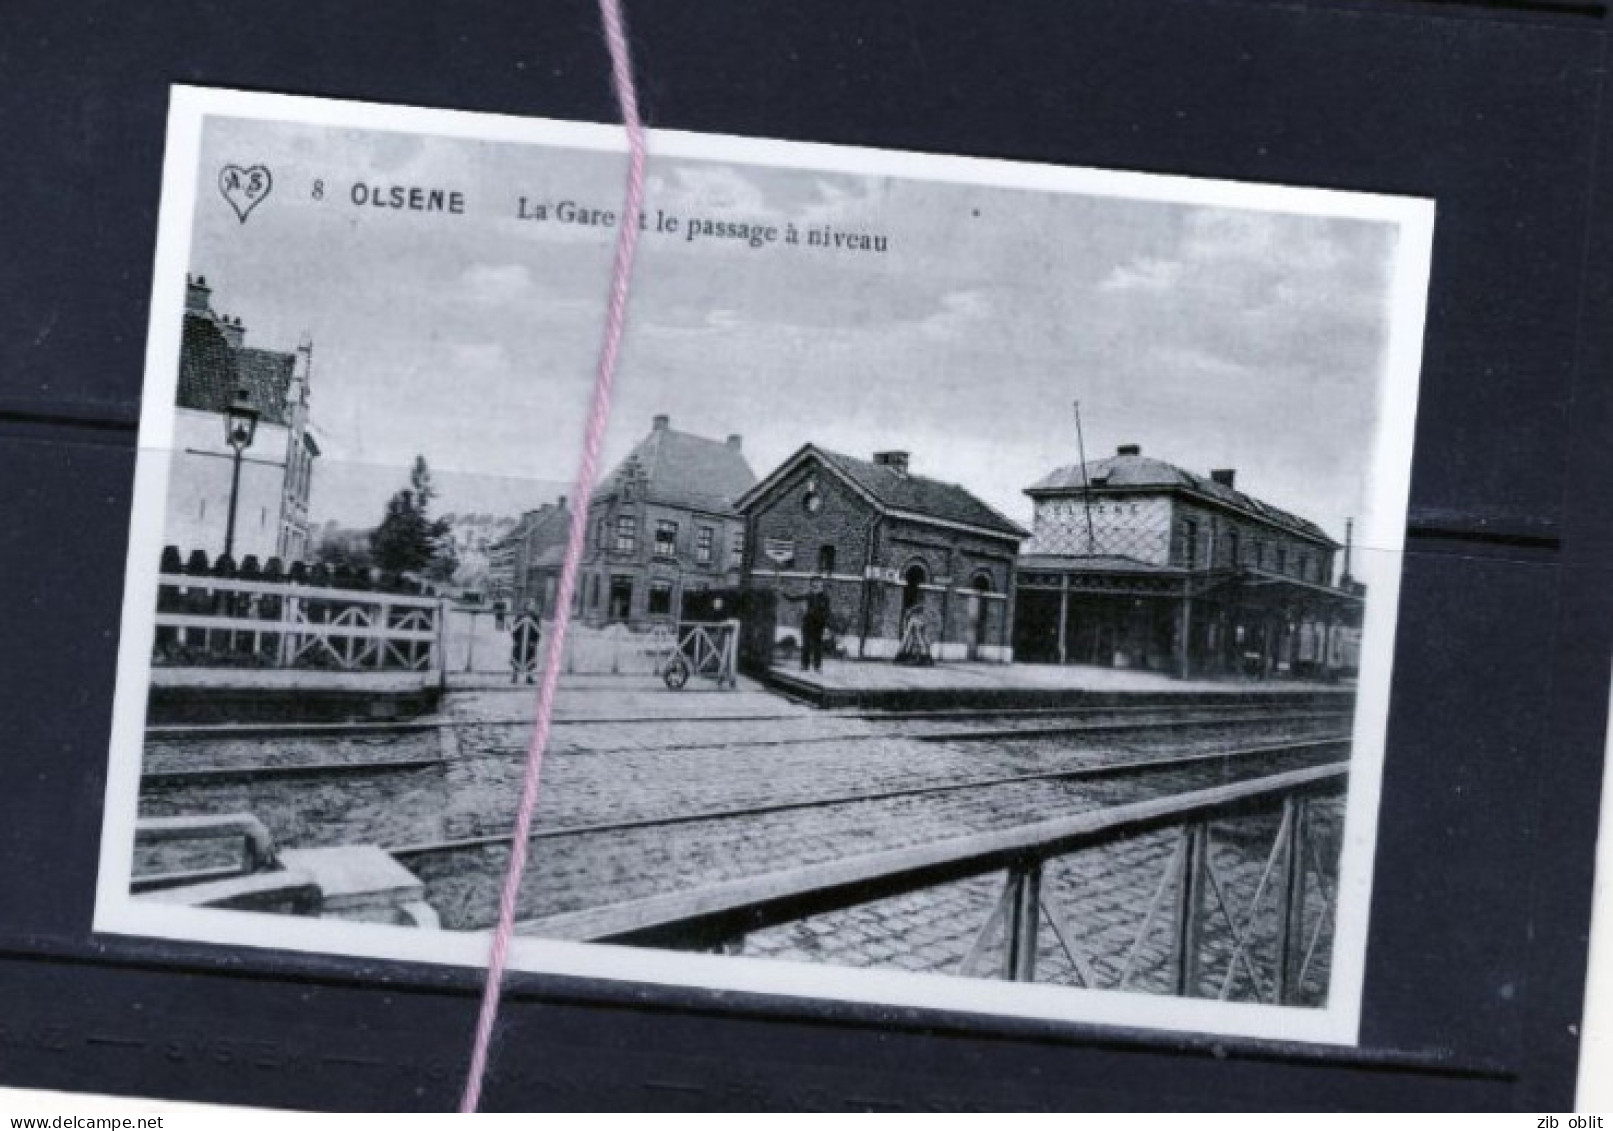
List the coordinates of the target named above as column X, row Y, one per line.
column 1477, row 955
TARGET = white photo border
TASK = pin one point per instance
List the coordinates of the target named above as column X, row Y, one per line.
column 1383, row 531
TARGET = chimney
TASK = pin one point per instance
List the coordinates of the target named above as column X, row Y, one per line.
column 1226, row 476
column 234, row 332
column 198, row 295
column 736, row 441
column 1129, row 450
column 561, row 505
column 661, row 422
column 896, row 461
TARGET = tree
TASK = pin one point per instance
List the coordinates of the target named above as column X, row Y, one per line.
column 408, row 539
column 338, row 547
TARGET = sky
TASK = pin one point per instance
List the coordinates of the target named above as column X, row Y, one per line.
column 1212, row 337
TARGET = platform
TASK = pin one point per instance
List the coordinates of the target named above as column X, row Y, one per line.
column 882, row 685
column 262, row 695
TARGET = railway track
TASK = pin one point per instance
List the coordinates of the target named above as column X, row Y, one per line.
column 875, row 728
column 202, row 732
column 1167, row 774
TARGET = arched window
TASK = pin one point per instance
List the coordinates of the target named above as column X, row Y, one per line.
column 913, row 579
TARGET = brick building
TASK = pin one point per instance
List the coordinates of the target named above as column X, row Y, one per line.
column 884, row 540
column 539, row 554
column 271, row 502
column 661, row 525
column 523, row 566
column 1135, row 562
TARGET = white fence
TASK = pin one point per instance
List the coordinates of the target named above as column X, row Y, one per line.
column 478, row 642
column 220, row 622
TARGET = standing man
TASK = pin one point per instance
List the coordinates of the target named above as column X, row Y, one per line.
column 814, row 622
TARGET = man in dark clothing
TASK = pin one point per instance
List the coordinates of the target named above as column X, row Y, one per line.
column 813, row 624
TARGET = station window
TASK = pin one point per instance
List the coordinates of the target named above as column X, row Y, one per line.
column 599, row 537
column 660, row 598
column 666, row 539
column 736, row 548
column 1282, row 559
column 705, row 542
column 626, row 534
column 1232, row 548
column 826, row 559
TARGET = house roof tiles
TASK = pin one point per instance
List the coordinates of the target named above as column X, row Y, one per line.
column 899, row 490
column 684, row 470
column 211, row 370
column 1130, row 470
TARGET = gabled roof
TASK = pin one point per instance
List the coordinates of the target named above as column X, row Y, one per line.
column 1135, row 471
column 550, row 526
column 211, row 370
column 538, row 527
column 902, row 493
column 683, row 470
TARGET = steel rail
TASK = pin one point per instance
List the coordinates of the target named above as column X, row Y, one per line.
column 199, row 732
column 1074, row 773
column 998, row 734
column 217, row 775
column 382, row 765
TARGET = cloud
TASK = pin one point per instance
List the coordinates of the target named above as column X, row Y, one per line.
column 707, row 189
column 1193, row 363
column 722, row 191
column 486, row 283
column 960, row 313
column 1144, row 275
column 1299, row 296
column 852, row 199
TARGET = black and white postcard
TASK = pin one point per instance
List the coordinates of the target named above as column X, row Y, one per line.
column 988, row 602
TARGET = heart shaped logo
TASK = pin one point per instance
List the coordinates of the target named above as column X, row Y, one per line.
column 244, row 188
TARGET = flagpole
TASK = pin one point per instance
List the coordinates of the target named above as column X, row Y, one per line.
column 1086, row 487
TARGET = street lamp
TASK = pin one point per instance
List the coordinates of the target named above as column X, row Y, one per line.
column 240, row 425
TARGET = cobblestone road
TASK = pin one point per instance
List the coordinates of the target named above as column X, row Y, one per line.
column 1102, row 897
column 628, row 751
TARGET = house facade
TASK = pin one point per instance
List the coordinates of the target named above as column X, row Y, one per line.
column 1135, row 562
column 540, row 550
column 661, row 525
column 277, row 469
column 884, row 541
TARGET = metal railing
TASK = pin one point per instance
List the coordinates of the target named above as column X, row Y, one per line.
column 256, row 853
column 719, row 917
column 223, row 622
column 255, row 881
column 700, row 650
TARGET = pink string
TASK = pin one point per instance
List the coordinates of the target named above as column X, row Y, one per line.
column 604, row 379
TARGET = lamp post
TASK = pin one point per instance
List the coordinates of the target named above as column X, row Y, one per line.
column 240, row 425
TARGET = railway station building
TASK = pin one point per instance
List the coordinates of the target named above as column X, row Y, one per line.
column 883, row 540
column 1135, row 562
